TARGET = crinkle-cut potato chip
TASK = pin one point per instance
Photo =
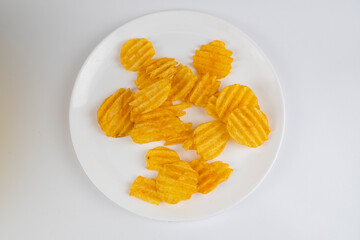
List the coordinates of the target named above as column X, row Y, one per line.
column 211, row 107
column 179, row 139
column 135, row 53
column 205, row 87
column 248, row 126
column 182, row 83
column 222, row 170
column 157, row 157
column 158, row 129
column 176, row 181
column 234, row 96
column 145, row 189
column 189, row 144
column 214, row 59
column 113, row 115
column 208, row 178
column 178, row 109
column 150, row 97
column 210, row 139
column 155, row 70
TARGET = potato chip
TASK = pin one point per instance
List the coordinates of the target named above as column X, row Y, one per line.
column 222, row 170
column 189, row 143
column 210, row 139
column 135, row 53
column 157, row 157
column 208, row 178
column 150, row 97
column 178, row 109
column 154, row 71
column 114, row 114
column 145, row 189
column 248, row 126
column 182, row 83
column 205, row 87
column 158, row 129
column 178, row 139
column 214, row 59
column 234, row 96
column 176, row 181
column 211, row 107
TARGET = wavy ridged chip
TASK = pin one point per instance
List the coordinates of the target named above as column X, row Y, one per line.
column 211, row 107
column 182, row 83
column 205, row 87
column 222, row 170
column 214, row 59
column 154, row 71
column 176, row 181
column 160, row 124
column 157, row 157
column 210, row 139
column 248, row 126
column 150, row 97
column 145, row 189
column 135, row 53
column 234, row 96
column 113, row 115
column 208, row 178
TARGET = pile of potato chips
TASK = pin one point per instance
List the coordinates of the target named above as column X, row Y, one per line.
column 149, row 115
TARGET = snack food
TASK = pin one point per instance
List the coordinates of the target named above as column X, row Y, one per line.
column 233, row 96
column 248, row 126
column 154, row 71
column 210, row 139
column 176, row 181
column 150, row 97
column 214, row 59
column 135, row 53
column 113, row 115
column 145, row 189
column 157, row 157
column 222, row 170
column 208, row 179
column 182, row 83
column 211, row 107
column 150, row 115
column 205, row 87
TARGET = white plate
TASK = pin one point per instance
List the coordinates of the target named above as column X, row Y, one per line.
column 112, row 164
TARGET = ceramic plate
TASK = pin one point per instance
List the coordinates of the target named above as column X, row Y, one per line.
column 112, row 164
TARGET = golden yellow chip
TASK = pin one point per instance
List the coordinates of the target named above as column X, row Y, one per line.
column 208, row 178
column 135, row 53
column 248, row 126
column 222, row 170
column 189, row 143
column 178, row 109
column 205, row 87
column 176, row 181
column 234, row 96
column 211, row 107
column 158, row 129
column 157, row 157
column 145, row 189
column 178, row 139
column 154, row 71
column 210, row 139
column 214, row 59
column 114, row 114
column 182, row 83
column 150, row 97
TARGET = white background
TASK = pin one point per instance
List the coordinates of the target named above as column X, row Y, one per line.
column 313, row 190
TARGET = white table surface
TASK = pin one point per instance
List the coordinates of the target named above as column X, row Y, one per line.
column 313, row 190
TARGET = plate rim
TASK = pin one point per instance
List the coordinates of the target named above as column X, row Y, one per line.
column 283, row 117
